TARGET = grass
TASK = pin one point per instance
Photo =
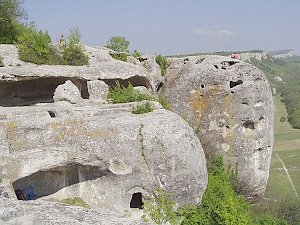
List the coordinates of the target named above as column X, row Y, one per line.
column 287, row 146
column 76, row 202
column 141, row 109
column 122, row 94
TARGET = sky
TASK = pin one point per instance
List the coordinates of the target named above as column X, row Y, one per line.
column 171, row 27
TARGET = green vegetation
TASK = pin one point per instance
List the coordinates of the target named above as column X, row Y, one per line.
column 289, row 70
column 76, row 202
column 287, row 148
column 220, row 205
column 11, row 13
column 144, row 108
column 136, row 54
column 35, row 47
column 122, row 94
column 163, row 63
column 161, row 208
column 122, row 56
column 118, row 43
column 73, row 53
column 164, row 102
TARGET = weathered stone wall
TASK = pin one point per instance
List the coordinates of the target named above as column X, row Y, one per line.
column 229, row 104
column 100, row 154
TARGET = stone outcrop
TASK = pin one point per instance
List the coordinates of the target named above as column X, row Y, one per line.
column 101, row 66
column 247, row 56
column 287, row 54
column 103, row 154
column 67, row 92
column 49, row 213
column 229, row 104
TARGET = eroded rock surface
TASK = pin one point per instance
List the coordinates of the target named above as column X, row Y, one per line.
column 101, row 67
column 103, row 154
column 47, row 213
column 229, row 104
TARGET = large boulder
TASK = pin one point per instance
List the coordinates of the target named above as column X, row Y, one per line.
column 103, row 154
column 67, row 92
column 229, row 104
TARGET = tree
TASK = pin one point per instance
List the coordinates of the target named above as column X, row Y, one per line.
column 118, row 43
column 11, row 14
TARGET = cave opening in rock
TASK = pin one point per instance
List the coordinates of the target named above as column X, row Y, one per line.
column 134, row 81
column 52, row 114
column 137, row 201
column 249, row 125
column 48, row 182
column 36, row 90
column 235, row 83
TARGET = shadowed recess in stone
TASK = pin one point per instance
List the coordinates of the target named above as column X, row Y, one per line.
column 235, row 83
column 40, row 90
column 135, row 81
column 44, row 183
column 249, row 125
column 137, row 201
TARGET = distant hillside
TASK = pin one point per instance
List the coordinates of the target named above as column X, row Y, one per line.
column 284, row 53
column 284, row 75
column 222, row 53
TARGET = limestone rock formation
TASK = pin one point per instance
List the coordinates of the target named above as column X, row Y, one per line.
column 103, row 154
column 247, row 56
column 67, row 92
column 98, row 90
column 28, row 76
column 49, row 213
column 229, row 104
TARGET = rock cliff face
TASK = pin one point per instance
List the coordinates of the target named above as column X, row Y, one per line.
column 60, row 138
column 105, row 155
column 247, row 56
column 229, row 104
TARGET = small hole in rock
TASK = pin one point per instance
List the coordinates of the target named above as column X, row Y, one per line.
column 216, row 66
column 52, row 114
column 249, row 125
column 137, row 201
column 235, row 83
column 202, row 86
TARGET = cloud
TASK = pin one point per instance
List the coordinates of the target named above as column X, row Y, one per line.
column 219, row 33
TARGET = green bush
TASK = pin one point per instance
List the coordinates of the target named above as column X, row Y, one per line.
column 220, row 204
column 161, row 208
column 136, row 54
column 118, row 43
column 76, row 201
column 163, row 63
column 122, row 56
column 11, row 12
column 283, row 119
column 141, row 109
column 35, row 47
column 73, row 53
column 122, row 94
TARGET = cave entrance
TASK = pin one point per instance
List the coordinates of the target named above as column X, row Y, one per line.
column 36, row 90
column 137, row 201
column 45, row 183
